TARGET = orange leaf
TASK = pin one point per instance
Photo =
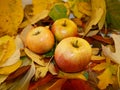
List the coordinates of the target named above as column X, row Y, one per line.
column 100, row 67
column 57, row 85
column 105, row 79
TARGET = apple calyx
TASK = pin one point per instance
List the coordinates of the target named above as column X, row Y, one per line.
column 75, row 44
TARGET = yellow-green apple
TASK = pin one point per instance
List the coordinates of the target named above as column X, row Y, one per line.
column 73, row 54
column 63, row 28
column 40, row 40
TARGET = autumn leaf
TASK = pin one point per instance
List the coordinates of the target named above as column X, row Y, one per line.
column 105, row 79
column 41, row 71
column 108, row 70
column 41, row 5
column 16, row 54
column 58, row 84
column 79, row 75
column 35, row 57
column 100, row 67
column 9, row 69
column 58, row 11
column 80, row 9
column 98, row 15
column 114, row 56
column 7, row 48
column 11, row 15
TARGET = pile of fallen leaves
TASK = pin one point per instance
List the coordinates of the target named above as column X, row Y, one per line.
column 98, row 22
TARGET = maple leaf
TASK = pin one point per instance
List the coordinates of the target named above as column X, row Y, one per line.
column 105, row 78
column 114, row 56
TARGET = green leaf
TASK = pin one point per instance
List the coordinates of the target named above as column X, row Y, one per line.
column 58, row 11
column 113, row 14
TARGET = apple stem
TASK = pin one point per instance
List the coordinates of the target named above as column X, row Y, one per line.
column 64, row 24
column 76, row 44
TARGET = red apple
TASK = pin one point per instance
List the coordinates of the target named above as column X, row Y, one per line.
column 73, row 54
column 63, row 28
column 40, row 40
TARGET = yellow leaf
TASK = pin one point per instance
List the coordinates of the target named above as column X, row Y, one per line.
column 100, row 67
column 41, row 5
column 11, row 15
column 98, row 15
column 35, row 58
column 95, row 18
column 97, row 58
column 32, row 20
column 78, row 75
column 8, row 50
column 4, row 39
column 105, row 79
column 41, row 71
column 76, row 11
column 9, row 69
column 3, row 78
column 101, row 4
column 118, row 75
column 84, row 8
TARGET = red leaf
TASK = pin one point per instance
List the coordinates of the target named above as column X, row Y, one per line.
column 76, row 84
column 40, row 82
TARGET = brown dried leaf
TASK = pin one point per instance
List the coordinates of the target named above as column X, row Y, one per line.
column 35, row 57
column 20, row 71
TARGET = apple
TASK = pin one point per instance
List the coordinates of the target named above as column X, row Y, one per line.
column 40, row 40
column 63, row 28
column 72, row 54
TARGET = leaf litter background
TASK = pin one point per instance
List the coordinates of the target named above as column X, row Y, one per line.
column 102, row 73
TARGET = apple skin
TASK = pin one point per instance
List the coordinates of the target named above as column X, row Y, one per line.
column 63, row 28
column 73, row 54
column 40, row 40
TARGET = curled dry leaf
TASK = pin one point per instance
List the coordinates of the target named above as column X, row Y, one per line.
column 97, row 58
column 41, row 71
column 35, row 57
column 9, row 69
column 38, row 17
column 16, row 55
column 52, row 69
column 114, row 56
column 97, row 16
